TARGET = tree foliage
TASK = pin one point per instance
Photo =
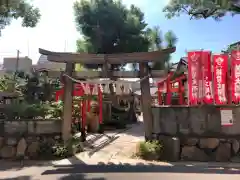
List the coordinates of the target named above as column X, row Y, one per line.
column 108, row 26
column 231, row 47
column 198, row 9
column 14, row 9
column 156, row 43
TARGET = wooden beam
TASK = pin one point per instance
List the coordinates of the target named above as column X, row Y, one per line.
column 146, row 101
column 100, row 74
column 67, row 106
column 139, row 57
column 120, row 58
column 74, row 59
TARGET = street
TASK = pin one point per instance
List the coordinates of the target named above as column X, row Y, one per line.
column 122, row 172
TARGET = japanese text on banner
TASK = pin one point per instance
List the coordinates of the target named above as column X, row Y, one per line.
column 220, row 63
column 193, row 76
column 235, row 67
column 207, row 77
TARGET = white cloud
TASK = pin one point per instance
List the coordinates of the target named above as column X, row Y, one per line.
column 55, row 30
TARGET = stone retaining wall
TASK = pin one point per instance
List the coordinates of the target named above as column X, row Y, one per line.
column 196, row 134
column 22, row 138
column 200, row 149
column 210, row 149
column 201, row 121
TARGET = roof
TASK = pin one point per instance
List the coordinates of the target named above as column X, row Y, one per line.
column 174, row 66
column 42, row 59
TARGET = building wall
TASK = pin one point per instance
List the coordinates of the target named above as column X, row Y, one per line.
column 43, row 63
column 24, row 64
column 51, row 66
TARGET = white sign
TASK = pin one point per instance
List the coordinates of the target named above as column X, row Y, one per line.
column 226, row 117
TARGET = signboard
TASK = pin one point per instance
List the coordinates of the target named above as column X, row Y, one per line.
column 226, row 117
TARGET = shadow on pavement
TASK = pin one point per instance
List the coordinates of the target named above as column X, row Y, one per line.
column 103, row 144
column 6, row 165
column 18, row 165
column 67, row 177
column 140, row 168
column 19, row 178
column 79, row 177
column 137, row 130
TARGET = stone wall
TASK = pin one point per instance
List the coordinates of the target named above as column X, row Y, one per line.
column 201, row 121
column 200, row 149
column 196, row 133
column 22, row 138
column 210, row 149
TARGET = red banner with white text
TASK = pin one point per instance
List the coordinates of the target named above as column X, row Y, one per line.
column 194, row 74
column 220, row 63
column 235, row 76
column 207, row 78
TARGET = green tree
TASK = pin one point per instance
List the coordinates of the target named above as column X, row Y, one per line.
column 231, row 47
column 110, row 27
column 156, row 43
column 14, row 9
column 198, row 9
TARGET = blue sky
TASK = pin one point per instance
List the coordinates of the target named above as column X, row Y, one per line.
column 56, row 30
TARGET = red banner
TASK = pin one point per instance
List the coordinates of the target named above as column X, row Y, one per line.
column 194, row 75
column 207, row 77
column 235, row 72
column 220, row 63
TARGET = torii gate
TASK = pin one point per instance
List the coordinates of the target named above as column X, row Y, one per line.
column 143, row 58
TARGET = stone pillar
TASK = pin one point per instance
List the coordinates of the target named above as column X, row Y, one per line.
column 146, row 101
column 67, row 107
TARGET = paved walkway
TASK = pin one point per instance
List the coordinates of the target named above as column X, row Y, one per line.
column 109, row 147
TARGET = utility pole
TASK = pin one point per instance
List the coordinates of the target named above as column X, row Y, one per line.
column 65, row 45
column 28, row 47
column 17, row 64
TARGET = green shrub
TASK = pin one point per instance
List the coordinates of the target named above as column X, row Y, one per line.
column 55, row 110
column 25, row 111
column 60, row 151
column 56, row 150
column 150, row 150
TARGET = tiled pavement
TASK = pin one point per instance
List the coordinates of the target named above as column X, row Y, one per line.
column 116, row 147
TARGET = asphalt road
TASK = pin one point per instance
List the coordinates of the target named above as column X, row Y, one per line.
column 127, row 172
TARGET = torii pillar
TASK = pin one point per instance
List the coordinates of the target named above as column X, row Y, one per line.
column 146, row 101
column 67, row 105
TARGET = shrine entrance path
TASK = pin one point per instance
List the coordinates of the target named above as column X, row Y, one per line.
column 110, row 147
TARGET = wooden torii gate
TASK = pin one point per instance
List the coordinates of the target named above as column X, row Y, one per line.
column 143, row 58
